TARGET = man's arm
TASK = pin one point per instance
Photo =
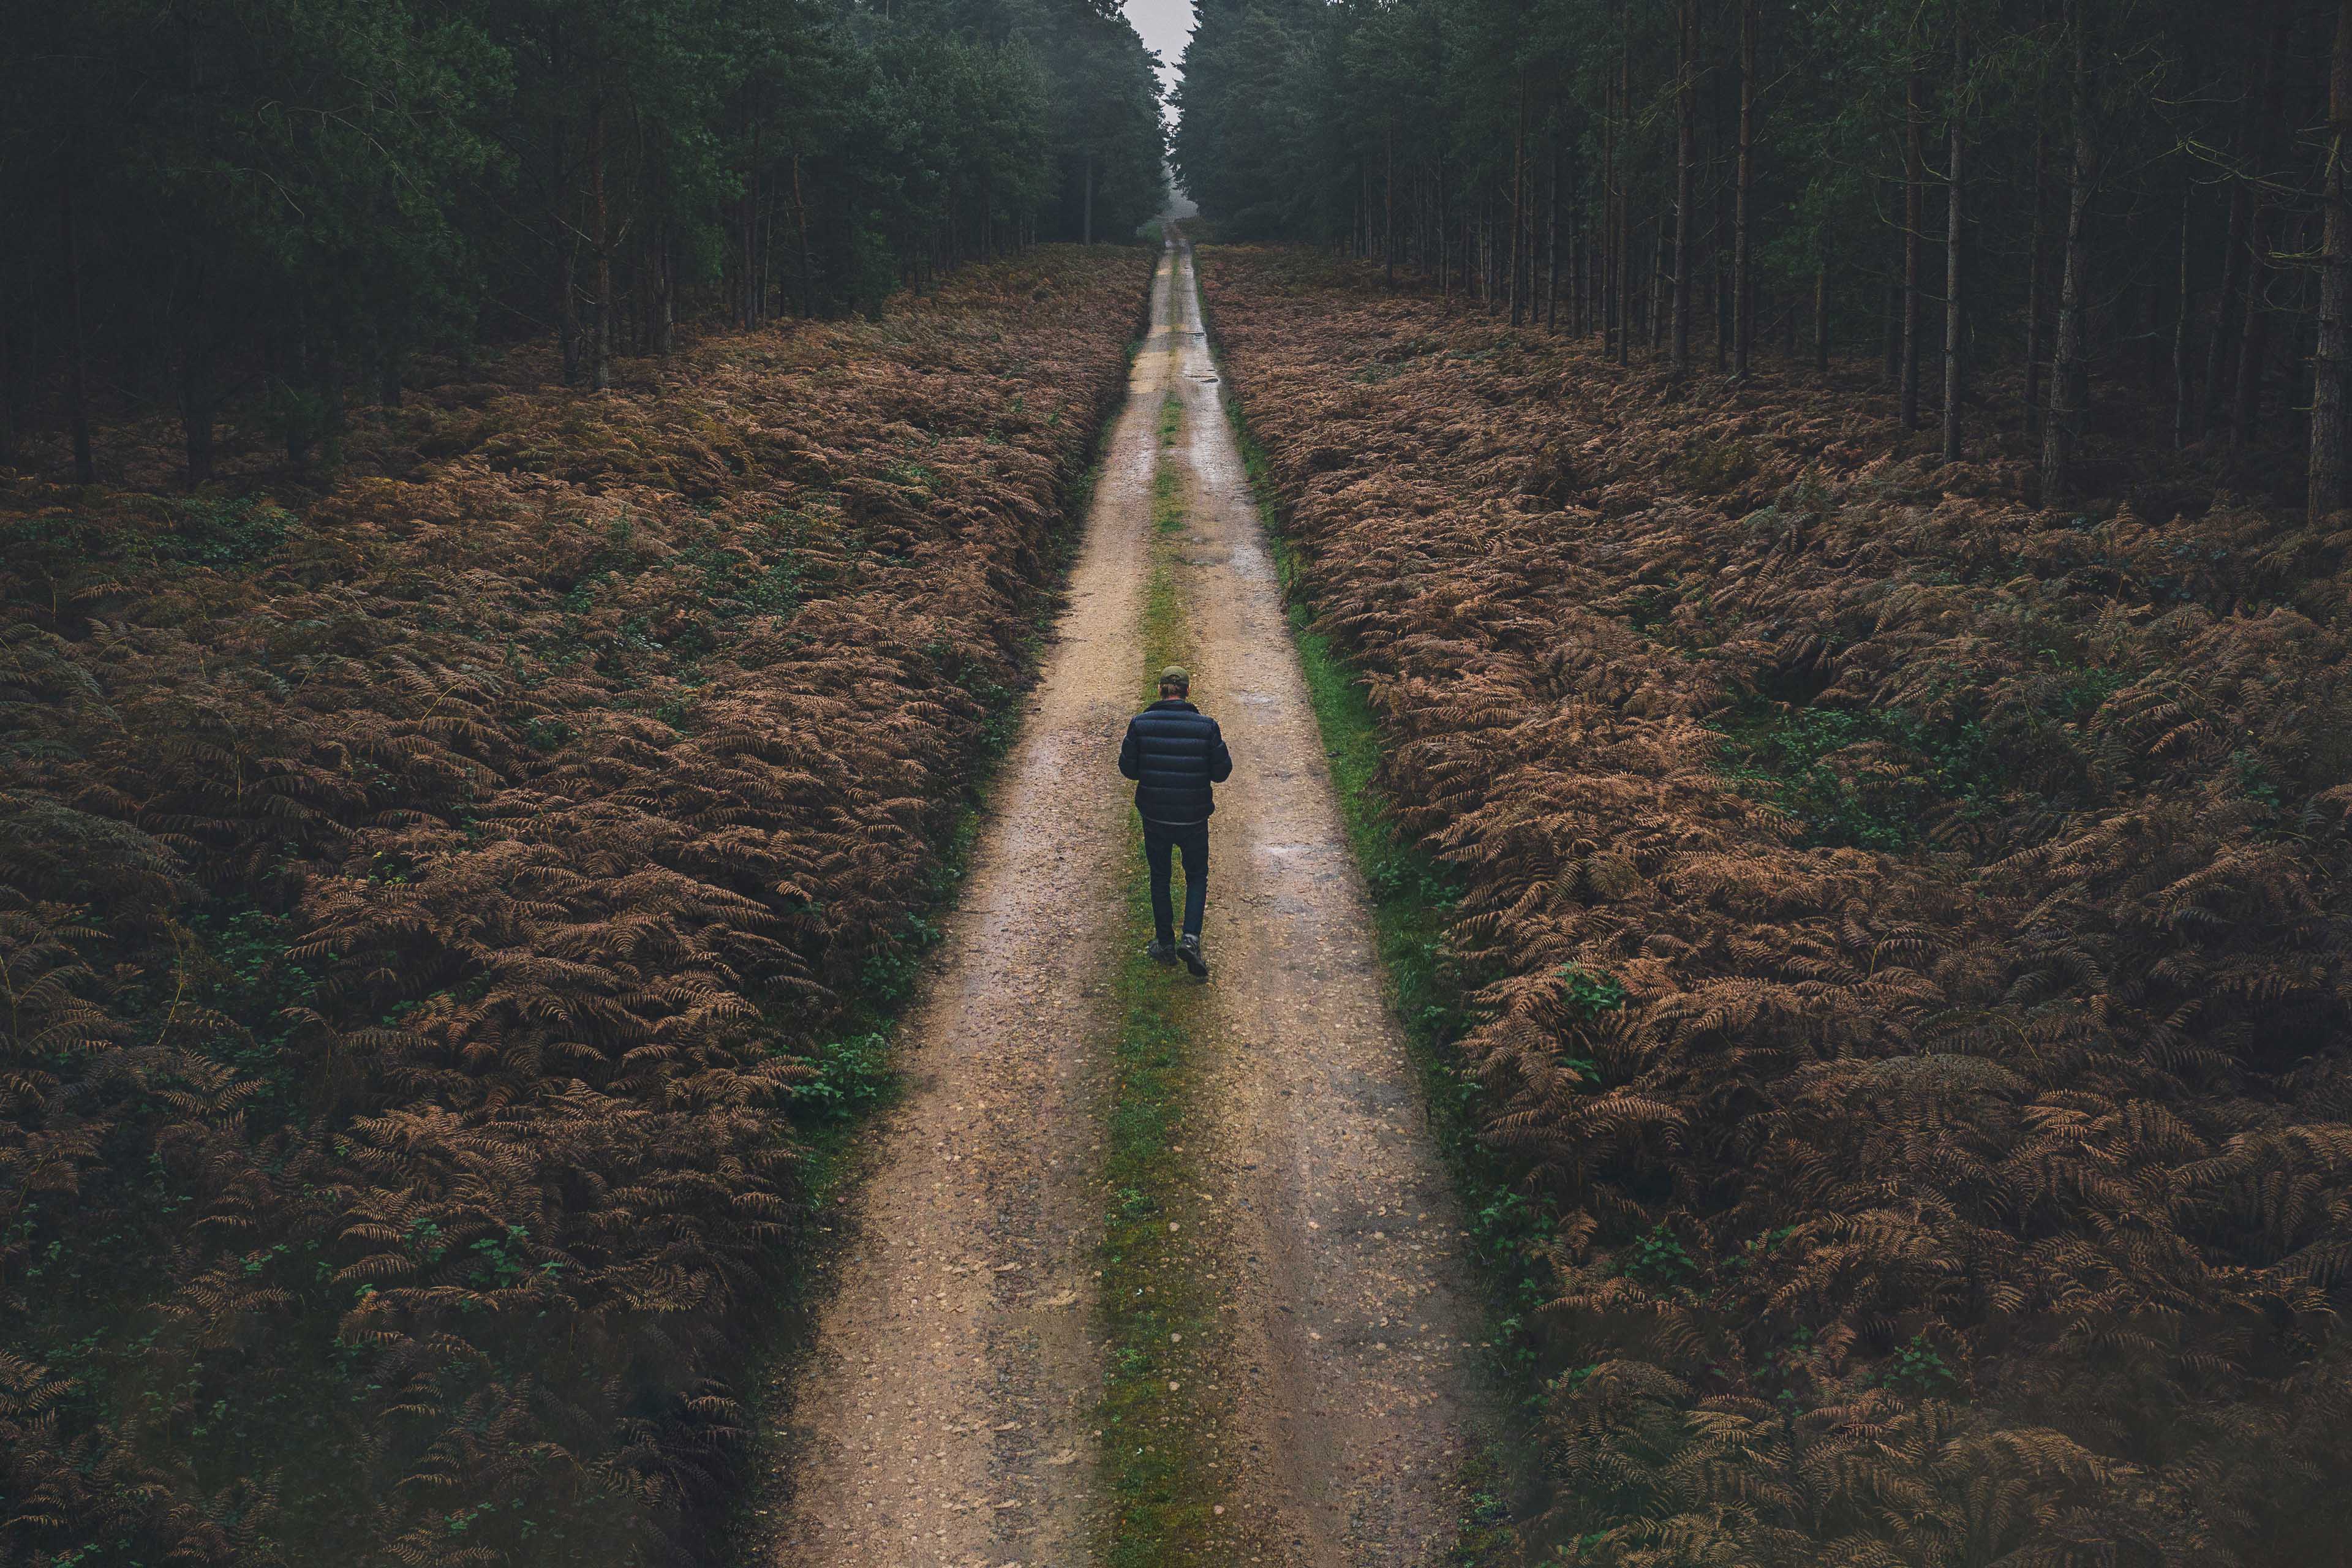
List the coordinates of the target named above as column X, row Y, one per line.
column 1220, row 761
column 1130, row 761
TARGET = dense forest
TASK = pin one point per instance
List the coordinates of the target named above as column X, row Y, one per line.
column 2143, row 194
column 520, row 524
column 1838, row 510
column 1815, row 531
column 273, row 206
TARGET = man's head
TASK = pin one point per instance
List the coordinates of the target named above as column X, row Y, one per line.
column 1174, row 682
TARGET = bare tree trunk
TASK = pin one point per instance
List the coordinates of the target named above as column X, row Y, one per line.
column 1822, row 312
column 2254, row 333
column 1086, row 234
column 755, row 265
column 2310, row 236
column 808, row 272
column 1500, row 245
column 77, row 384
column 1609, row 246
column 1445, row 243
column 1580, row 256
column 1624, row 195
column 1915, row 193
column 600, row 338
column 1497, row 250
column 1892, row 370
column 1532, row 213
column 1685, row 155
column 1388, row 221
column 2033, row 271
column 1530, row 233
column 2069, row 368
column 1551, row 247
column 765, row 250
column 570, row 339
column 1487, row 293
column 20, row 352
column 1722, row 219
column 664, row 262
column 2180, row 406
column 12, row 355
column 1743, row 293
column 565, row 226
column 1958, row 147
column 199, row 398
column 2331, row 429
column 2254, row 338
column 333, row 422
column 196, row 413
column 2218, row 348
column 1518, row 198
column 1662, row 288
column 288, row 384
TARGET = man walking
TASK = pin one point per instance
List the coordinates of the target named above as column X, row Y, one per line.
column 1176, row 755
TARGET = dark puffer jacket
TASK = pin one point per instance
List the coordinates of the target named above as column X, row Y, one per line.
column 1175, row 753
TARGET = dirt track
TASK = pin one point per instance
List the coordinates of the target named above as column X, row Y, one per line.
column 944, row 1418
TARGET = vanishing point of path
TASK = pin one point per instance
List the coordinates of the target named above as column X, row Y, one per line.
column 945, row 1416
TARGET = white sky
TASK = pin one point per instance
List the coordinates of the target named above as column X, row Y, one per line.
column 1165, row 26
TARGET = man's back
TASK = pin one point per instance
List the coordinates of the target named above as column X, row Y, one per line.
column 1176, row 755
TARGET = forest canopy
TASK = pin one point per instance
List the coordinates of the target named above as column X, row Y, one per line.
column 285, row 200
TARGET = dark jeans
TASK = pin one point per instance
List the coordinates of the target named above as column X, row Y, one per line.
column 1161, row 841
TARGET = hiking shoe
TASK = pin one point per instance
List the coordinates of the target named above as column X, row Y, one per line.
column 1160, row 952
column 1189, row 950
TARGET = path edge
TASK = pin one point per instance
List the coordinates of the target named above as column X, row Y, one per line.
column 776, row 1360
column 1427, row 991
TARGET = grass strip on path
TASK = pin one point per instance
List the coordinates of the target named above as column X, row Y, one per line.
column 1162, row 1337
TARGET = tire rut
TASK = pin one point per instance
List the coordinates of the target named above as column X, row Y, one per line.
column 942, row 1415
column 1356, row 1317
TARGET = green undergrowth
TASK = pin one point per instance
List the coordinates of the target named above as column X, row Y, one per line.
column 1166, row 480
column 1413, row 905
column 227, row 534
column 1878, row 778
column 1158, row 1308
column 1789, row 757
column 1157, row 1305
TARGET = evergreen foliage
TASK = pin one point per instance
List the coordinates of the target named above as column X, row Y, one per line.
column 275, row 204
column 2134, row 194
